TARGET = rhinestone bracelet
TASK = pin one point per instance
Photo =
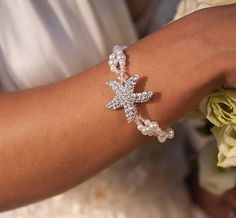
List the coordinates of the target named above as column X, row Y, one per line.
column 126, row 98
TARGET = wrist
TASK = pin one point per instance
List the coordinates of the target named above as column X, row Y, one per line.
column 177, row 71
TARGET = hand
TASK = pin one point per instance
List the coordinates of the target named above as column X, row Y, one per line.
column 214, row 29
column 214, row 206
column 195, row 55
column 230, row 198
column 221, row 37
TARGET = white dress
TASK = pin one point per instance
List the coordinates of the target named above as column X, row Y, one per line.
column 45, row 41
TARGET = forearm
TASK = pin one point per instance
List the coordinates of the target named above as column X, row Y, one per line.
column 54, row 137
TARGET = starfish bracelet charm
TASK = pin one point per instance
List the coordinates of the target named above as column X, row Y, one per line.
column 125, row 96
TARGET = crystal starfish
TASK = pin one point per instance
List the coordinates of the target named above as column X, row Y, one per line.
column 125, row 96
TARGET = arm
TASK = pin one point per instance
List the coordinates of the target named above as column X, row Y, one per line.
column 54, row 137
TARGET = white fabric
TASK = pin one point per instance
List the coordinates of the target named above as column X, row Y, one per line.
column 46, row 41
column 188, row 6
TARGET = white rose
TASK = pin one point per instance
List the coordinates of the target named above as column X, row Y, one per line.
column 220, row 107
column 211, row 178
column 226, row 140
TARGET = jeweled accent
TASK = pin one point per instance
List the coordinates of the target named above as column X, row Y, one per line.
column 125, row 96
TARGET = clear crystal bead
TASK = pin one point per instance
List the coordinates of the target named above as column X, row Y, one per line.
column 161, row 138
column 170, row 133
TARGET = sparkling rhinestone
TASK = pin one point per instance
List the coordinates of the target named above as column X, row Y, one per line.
column 122, row 62
column 119, row 52
column 113, row 68
column 112, row 56
column 117, row 48
column 121, row 57
column 110, row 62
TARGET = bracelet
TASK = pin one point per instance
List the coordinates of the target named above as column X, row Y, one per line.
column 126, row 98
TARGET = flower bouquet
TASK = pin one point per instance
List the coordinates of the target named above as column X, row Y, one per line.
column 217, row 159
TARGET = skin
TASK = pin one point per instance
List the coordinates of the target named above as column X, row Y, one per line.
column 215, row 206
column 56, row 136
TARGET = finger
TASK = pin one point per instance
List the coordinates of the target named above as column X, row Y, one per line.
column 230, row 197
